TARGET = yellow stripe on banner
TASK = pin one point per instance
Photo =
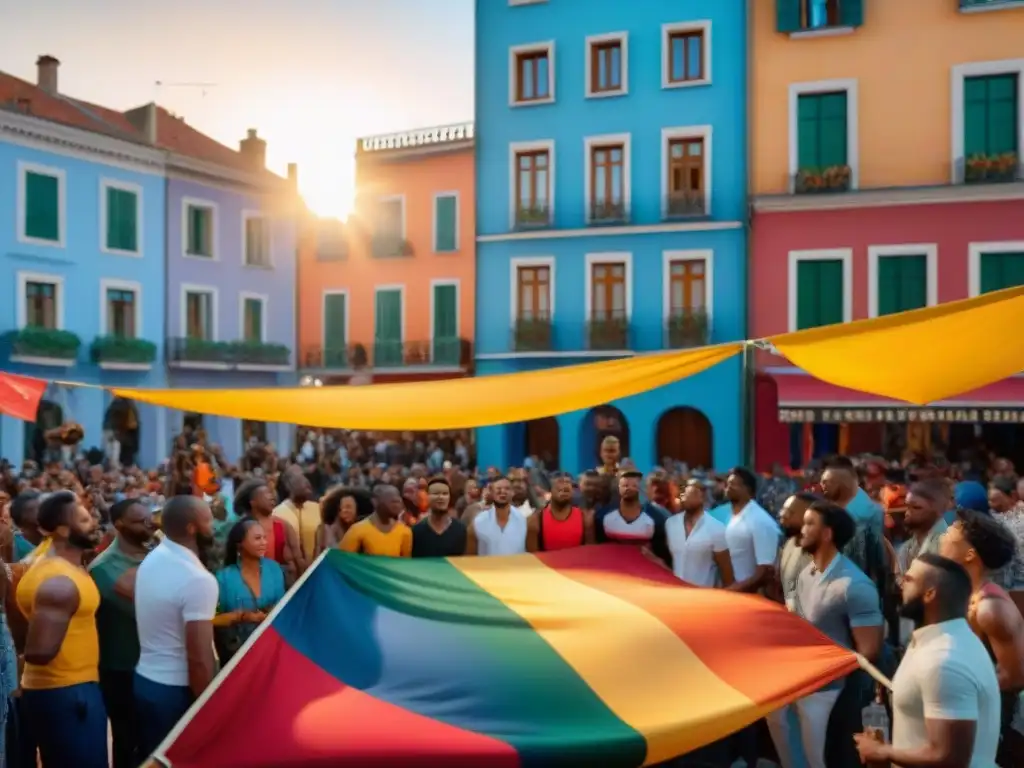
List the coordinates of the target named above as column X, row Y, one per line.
column 653, row 682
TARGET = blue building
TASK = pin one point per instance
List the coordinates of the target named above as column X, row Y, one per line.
column 611, row 214
column 81, row 268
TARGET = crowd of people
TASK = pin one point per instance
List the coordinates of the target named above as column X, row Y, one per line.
column 126, row 591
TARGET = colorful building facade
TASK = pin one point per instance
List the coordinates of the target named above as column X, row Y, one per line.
column 878, row 189
column 612, row 149
column 391, row 296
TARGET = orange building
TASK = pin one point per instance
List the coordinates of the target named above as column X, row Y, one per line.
column 390, row 295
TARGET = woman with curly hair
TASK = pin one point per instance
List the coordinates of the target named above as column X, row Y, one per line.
column 340, row 508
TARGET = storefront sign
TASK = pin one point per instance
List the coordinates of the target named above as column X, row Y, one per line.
column 936, row 415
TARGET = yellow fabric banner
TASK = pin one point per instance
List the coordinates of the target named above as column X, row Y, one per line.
column 452, row 404
column 920, row 356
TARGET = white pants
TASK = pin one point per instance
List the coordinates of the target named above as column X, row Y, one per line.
column 811, row 714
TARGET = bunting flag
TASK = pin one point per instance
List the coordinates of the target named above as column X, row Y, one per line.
column 20, row 396
column 589, row 656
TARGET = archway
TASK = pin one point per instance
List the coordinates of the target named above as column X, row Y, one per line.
column 121, row 425
column 49, row 416
column 543, row 441
column 599, row 423
column 685, row 434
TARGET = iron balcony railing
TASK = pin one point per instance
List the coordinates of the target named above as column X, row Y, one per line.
column 607, row 213
column 687, row 328
column 681, row 205
column 442, row 352
column 609, row 333
column 533, row 216
column 230, row 353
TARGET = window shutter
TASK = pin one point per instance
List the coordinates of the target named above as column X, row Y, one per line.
column 335, row 348
column 902, row 283
column 808, row 116
column 832, row 129
column 446, row 342
column 788, row 16
column 388, row 328
column 1002, row 114
column 1001, row 270
column 444, row 225
column 819, row 293
column 851, row 13
column 42, row 206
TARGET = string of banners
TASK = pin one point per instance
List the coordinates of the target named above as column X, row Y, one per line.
column 899, row 415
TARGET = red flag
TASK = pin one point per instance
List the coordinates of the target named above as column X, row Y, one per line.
column 20, row 396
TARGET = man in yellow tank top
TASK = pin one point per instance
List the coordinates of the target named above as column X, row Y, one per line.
column 61, row 696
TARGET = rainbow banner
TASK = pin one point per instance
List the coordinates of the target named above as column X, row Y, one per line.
column 589, row 656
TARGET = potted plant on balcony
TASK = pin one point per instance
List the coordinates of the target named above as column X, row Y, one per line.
column 533, row 334
column 991, row 168
column 833, row 178
column 45, row 343
column 204, row 351
column 688, row 329
column 609, row 333
column 118, row 349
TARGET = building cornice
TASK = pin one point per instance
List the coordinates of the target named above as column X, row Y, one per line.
column 879, row 198
column 190, row 167
column 419, row 142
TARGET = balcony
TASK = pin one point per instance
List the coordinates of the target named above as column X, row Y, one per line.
column 227, row 355
column 971, row 6
column 1004, row 168
column 605, row 214
column 117, row 353
column 685, row 329
column 387, row 246
column 440, row 353
column 533, row 216
column 541, row 335
column 816, row 181
column 684, row 205
column 43, row 346
column 533, row 335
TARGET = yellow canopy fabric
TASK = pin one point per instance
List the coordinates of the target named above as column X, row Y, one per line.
column 452, row 404
column 919, row 356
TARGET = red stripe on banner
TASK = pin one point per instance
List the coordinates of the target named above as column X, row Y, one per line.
column 277, row 709
column 20, row 396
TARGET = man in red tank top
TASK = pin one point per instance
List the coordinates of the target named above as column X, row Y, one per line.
column 559, row 525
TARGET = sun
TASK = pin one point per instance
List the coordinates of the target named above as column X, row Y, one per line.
column 328, row 192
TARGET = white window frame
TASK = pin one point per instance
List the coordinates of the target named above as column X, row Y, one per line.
column 707, row 255
column 214, row 292
column 931, row 253
column 384, row 199
column 622, row 38
column 703, row 26
column 323, row 313
column 516, row 148
column 438, row 283
column 961, row 72
column 688, row 132
column 844, row 255
column 24, row 278
column 24, row 168
column 110, row 283
column 124, row 186
column 610, row 139
column 264, row 299
column 974, row 253
column 246, row 217
column 796, row 90
column 517, row 262
column 400, row 287
column 433, row 224
column 548, row 46
column 197, row 202
column 607, row 257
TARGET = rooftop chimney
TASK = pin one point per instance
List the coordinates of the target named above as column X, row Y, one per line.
column 293, row 175
column 143, row 119
column 46, row 68
column 254, row 149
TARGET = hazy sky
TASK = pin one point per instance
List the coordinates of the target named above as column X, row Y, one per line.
column 310, row 75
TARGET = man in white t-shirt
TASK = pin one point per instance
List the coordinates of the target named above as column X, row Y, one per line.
column 175, row 601
column 752, row 535
column 945, row 694
column 696, row 541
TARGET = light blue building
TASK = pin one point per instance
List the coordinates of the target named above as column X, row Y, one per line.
column 611, row 214
column 81, row 270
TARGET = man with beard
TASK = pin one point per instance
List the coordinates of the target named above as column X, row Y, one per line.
column 499, row 529
column 751, row 533
column 945, row 695
column 982, row 545
column 793, row 559
column 839, row 485
column 559, row 525
column 175, row 602
column 382, row 533
column 438, row 534
column 696, row 541
column 114, row 572
column 633, row 521
column 923, row 523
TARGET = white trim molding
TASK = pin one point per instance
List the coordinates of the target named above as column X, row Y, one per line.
column 667, row 30
column 514, row 52
column 400, row 287
column 433, row 223
column 24, row 168
column 111, row 283
column 590, row 143
column 958, row 74
column 323, row 313
column 847, row 85
column 514, row 265
column 24, row 278
column 845, row 255
column 212, row 207
column 931, row 253
column 629, row 229
column 214, row 294
column 438, row 283
column 268, row 222
column 591, row 260
column 974, row 253
column 264, row 300
column 383, row 200
column 517, row 148
column 669, row 135
column 622, row 38
column 706, row 255
column 107, row 183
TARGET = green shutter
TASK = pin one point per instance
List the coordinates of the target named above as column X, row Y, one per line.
column 821, row 130
column 445, row 222
column 851, row 13
column 122, row 220
column 446, row 332
column 42, row 206
column 902, row 283
column 819, row 293
column 1001, row 270
column 198, row 236
column 990, row 115
column 387, row 340
column 335, row 331
column 788, row 17
column 253, row 330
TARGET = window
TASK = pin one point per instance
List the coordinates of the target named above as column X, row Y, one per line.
column 795, row 16
column 336, row 329
column 121, row 218
column 533, row 187
column 823, row 162
column 607, row 65
column 387, row 335
column 533, row 75
column 446, row 223
column 389, row 228
column 902, row 283
column 252, row 319
column 199, row 315
column 991, row 129
column 1001, row 270
column 608, row 183
column 257, row 241
column 446, row 348
column 820, row 288
column 687, row 298
column 686, row 178
column 41, row 302
column 687, row 287
column 121, row 313
column 199, row 224
column 42, row 215
column 533, row 291
column 686, row 54
column 609, row 305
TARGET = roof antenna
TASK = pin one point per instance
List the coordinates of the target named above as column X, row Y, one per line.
column 202, row 86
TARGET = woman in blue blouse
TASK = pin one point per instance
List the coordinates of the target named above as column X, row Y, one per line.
column 250, row 586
